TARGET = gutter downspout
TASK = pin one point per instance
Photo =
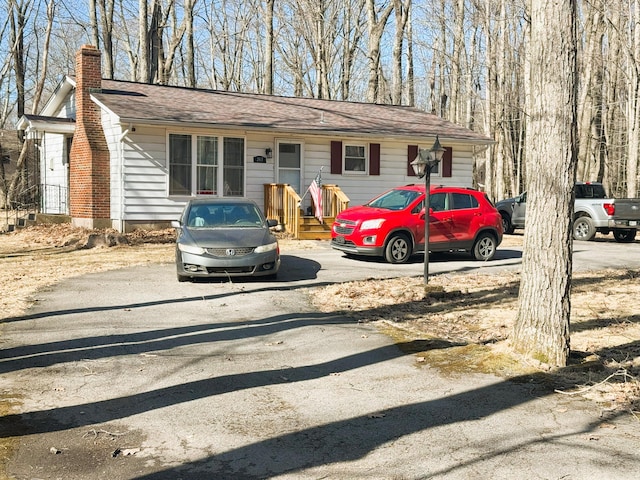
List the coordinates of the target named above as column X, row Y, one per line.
column 121, row 224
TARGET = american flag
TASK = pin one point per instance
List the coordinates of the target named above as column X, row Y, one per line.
column 316, row 194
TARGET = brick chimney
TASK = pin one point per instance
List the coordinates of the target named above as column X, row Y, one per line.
column 89, row 173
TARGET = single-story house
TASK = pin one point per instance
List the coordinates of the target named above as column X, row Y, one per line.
column 129, row 155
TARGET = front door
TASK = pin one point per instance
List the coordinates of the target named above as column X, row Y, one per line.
column 289, row 158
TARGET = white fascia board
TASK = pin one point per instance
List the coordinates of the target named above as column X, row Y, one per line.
column 66, row 85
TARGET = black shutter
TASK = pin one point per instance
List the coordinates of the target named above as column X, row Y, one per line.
column 336, row 157
column 374, row 159
column 447, row 162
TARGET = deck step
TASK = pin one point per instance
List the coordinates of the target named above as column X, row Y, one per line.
column 314, row 235
column 311, row 229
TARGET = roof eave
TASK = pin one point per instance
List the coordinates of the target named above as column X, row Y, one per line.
column 302, row 131
column 35, row 125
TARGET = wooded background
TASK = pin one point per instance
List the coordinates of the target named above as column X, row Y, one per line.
column 464, row 60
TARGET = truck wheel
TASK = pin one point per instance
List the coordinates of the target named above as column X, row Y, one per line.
column 485, row 247
column 398, row 249
column 583, row 229
column 624, row 235
column 507, row 227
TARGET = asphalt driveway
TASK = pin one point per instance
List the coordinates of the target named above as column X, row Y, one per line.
column 128, row 374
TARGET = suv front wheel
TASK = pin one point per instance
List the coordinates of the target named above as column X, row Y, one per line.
column 398, row 249
column 485, row 247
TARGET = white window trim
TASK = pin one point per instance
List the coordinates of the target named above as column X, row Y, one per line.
column 365, row 146
column 194, row 162
column 278, row 141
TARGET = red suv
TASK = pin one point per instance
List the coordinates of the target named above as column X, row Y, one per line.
column 392, row 224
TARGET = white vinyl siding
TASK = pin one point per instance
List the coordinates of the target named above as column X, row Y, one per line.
column 144, row 174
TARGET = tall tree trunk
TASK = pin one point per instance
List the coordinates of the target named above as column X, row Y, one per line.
column 189, row 6
column 143, row 42
column 19, row 179
column 352, row 31
column 542, row 323
column 633, row 114
column 411, row 87
column 503, row 88
column 376, row 24
column 402, row 9
column 17, row 20
column 456, row 61
column 107, row 8
column 268, row 46
column 490, row 100
column 93, row 20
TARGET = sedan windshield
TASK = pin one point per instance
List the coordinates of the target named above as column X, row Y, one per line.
column 225, row 216
column 395, row 199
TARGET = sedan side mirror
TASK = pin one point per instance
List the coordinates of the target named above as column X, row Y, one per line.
column 176, row 224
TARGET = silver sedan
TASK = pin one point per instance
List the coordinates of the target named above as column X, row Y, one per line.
column 225, row 237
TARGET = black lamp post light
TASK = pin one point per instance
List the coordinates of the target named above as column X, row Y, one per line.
column 422, row 166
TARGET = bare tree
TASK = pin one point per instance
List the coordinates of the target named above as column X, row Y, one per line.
column 377, row 21
column 542, row 324
column 189, row 6
column 352, row 28
column 18, row 19
column 633, row 104
column 143, row 58
column 402, row 10
column 410, row 85
column 268, row 45
column 19, row 181
column 107, row 8
column 93, row 21
column 456, row 61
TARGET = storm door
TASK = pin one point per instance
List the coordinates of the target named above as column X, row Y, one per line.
column 290, row 164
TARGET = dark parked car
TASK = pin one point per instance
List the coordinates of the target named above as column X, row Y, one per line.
column 225, row 237
column 392, row 224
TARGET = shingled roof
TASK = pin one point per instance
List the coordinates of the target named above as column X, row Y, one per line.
column 164, row 105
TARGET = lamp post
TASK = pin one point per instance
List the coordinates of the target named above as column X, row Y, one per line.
column 422, row 166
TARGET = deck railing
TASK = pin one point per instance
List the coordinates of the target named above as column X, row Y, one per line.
column 283, row 203
column 334, row 200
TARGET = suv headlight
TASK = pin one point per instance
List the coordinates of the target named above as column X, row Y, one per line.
column 266, row 248
column 372, row 224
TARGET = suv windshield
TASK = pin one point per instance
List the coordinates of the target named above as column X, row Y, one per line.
column 395, row 199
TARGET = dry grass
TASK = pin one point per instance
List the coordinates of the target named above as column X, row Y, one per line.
column 473, row 315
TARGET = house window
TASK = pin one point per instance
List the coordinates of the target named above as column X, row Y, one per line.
column 195, row 167
column 355, row 160
column 207, row 170
column 233, row 167
column 180, row 164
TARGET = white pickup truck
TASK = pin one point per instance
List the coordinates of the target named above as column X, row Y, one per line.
column 593, row 212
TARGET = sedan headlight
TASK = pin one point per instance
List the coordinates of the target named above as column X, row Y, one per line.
column 372, row 224
column 266, row 248
column 190, row 249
